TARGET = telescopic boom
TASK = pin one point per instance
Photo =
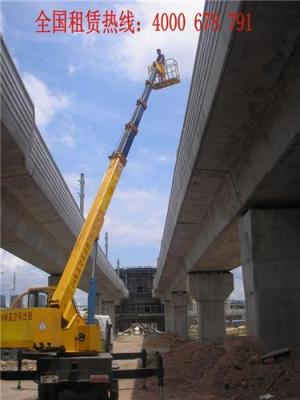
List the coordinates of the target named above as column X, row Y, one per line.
column 89, row 233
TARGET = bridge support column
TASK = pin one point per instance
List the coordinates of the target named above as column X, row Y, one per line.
column 98, row 308
column 270, row 255
column 109, row 309
column 53, row 280
column 180, row 313
column 169, row 325
column 210, row 290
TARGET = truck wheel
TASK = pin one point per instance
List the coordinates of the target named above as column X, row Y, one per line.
column 114, row 396
column 53, row 392
column 104, row 394
column 114, row 390
column 99, row 391
column 42, row 391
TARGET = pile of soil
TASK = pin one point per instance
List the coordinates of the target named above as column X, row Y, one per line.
column 162, row 342
column 233, row 371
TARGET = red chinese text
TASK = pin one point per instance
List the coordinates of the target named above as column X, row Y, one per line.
column 92, row 21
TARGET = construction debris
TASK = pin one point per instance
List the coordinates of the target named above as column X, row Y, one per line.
column 139, row 329
column 276, row 353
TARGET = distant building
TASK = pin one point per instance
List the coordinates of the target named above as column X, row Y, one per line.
column 192, row 308
column 235, row 312
column 13, row 298
column 140, row 307
column 2, row 301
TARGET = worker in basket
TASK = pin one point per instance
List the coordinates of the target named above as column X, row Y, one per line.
column 161, row 65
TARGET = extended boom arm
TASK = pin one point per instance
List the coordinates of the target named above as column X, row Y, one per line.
column 77, row 261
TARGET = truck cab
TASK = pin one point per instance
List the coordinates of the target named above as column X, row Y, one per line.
column 34, row 297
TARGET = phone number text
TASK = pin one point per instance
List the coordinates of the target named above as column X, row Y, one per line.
column 207, row 21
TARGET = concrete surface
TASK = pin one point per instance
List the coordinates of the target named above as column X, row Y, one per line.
column 109, row 309
column 169, row 320
column 210, row 290
column 270, row 247
column 40, row 218
column 180, row 313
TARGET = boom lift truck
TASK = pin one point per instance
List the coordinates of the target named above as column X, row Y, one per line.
column 45, row 322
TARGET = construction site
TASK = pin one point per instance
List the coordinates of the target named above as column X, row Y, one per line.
column 199, row 198
column 140, row 308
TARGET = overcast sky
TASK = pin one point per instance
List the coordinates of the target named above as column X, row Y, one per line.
column 84, row 87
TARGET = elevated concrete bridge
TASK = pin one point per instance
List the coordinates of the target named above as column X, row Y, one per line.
column 235, row 196
column 40, row 218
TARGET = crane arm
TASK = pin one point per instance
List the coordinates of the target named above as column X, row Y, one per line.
column 77, row 261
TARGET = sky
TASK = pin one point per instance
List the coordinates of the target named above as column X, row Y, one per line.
column 84, row 88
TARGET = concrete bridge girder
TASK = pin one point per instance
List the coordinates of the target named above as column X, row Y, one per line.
column 40, row 218
column 239, row 149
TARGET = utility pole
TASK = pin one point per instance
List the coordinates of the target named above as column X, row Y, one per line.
column 2, row 288
column 81, row 193
column 106, row 245
column 12, row 292
column 14, row 284
column 118, row 267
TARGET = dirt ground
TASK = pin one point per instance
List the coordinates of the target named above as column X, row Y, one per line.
column 194, row 371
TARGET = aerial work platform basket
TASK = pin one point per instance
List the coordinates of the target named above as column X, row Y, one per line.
column 167, row 75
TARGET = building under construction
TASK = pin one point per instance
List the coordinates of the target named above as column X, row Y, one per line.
column 140, row 307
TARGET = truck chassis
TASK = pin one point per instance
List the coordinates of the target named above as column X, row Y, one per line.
column 95, row 374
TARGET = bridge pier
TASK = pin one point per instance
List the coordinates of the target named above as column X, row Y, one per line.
column 53, row 279
column 109, row 309
column 98, row 308
column 270, row 252
column 180, row 313
column 210, row 290
column 169, row 323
